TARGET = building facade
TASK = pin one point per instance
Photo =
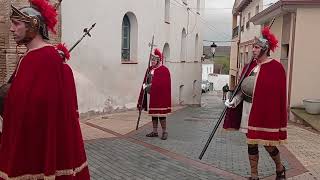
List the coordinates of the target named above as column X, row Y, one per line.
column 243, row 33
column 298, row 34
column 109, row 67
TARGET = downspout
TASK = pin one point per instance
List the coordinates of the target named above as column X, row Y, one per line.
column 293, row 33
column 238, row 51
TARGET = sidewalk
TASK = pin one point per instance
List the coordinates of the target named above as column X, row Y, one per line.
column 116, row 151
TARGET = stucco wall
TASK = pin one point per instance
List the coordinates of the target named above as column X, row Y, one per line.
column 276, row 29
column 233, row 57
column 305, row 75
column 103, row 82
column 219, row 80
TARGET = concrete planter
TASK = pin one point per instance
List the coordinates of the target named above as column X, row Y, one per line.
column 312, row 106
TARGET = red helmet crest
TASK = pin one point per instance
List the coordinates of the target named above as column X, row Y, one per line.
column 47, row 11
column 158, row 53
column 270, row 37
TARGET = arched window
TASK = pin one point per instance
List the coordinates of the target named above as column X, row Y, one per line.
column 196, row 48
column 125, row 47
column 129, row 39
column 167, row 11
column 183, row 45
column 198, row 6
column 166, row 52
column 181, row 101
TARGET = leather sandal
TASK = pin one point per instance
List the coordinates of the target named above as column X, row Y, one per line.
column 164, row 136
column 251, row 178
column 152, row 134
column 281, row 174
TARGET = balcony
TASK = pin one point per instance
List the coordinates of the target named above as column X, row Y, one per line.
column 235, row 32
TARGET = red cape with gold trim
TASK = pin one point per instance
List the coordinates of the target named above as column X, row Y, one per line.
column 268, row 115
column 41, row 132
column 160, row 93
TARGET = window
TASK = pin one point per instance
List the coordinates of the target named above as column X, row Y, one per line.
column 167, row 12
column 196, row 48
column 198, row 6
column 125, row 47
column 183, row 45
column 257, row 9
column 243, row 23
column 248, row 23
column 246, row 60
column 166, row 52
column 181, row 101
column 129, row 39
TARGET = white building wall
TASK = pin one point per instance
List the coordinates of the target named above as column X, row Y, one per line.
column 102, row 81
column 305, row 70
column 206, row 70
column 219, row 80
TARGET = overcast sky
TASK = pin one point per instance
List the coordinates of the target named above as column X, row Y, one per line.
column 218, row 14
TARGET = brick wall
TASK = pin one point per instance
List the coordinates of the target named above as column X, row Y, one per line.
column 8, row 52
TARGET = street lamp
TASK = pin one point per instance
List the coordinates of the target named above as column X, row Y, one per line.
column 213, row 49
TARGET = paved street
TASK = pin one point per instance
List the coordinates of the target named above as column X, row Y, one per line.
column 116, row 151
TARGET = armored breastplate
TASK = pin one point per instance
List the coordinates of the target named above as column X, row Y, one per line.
column 247, row 85
column 149, row 81
column 149, row 78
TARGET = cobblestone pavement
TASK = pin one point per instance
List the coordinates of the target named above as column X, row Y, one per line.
column 121, row 159
column 115, row 151
column 305, row 145
column 189, row 129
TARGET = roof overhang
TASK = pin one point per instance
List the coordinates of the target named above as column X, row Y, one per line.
column 283, row 7
column 242, row 5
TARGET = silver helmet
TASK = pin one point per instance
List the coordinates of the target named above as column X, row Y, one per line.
column 39, row 17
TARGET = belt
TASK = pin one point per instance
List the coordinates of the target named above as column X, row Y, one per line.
column 247, row 98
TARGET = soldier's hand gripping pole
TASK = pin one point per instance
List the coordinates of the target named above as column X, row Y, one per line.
column 86, row 32
column 224, row 111
column 144, row 90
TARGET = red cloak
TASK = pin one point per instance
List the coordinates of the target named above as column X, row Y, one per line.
column 41, row 132
column 268, row 115
column 160, row 93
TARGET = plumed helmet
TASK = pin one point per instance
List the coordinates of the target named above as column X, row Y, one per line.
column 267, row 41
column 157, row 55
column 40, row 17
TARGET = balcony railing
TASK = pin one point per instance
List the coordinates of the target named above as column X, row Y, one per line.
column 235, row 32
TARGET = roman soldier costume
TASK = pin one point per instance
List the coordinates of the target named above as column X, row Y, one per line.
column 260, row 108
column 157, row 100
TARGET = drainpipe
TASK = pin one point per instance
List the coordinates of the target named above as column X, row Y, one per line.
column 293, row 32
column 238, row 43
